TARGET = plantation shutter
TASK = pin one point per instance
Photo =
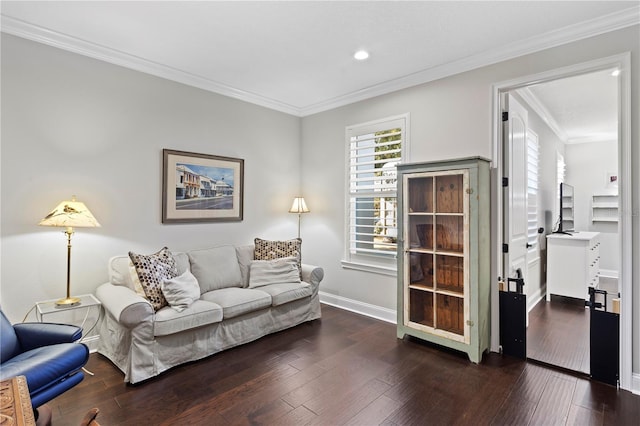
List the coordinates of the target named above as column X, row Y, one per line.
column 374, row 151
column 533, row 169
column 561, row 168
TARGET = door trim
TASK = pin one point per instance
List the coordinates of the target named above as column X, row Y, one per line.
column 623, row 62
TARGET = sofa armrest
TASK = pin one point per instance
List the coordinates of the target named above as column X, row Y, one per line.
column 312, row 274
column 37, row 334
column 123, row 304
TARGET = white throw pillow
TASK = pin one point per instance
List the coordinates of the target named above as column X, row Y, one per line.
column 277, row 271
column 181, row 291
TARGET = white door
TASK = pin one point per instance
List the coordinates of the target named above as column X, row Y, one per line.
column 515, row 193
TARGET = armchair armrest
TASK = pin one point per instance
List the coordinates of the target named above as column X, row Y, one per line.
column 36, row 334
column 123, row 304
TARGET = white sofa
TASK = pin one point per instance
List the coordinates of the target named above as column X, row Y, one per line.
column 143, row 343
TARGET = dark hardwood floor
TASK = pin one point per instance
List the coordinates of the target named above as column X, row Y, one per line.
column 558, row 334
column 346, row 369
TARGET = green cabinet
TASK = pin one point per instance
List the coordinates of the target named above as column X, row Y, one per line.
column 444, row 253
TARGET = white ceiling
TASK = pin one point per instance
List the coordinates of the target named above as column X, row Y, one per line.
column 579, row 109
column 297, row 56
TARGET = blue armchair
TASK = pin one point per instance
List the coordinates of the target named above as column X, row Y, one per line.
column 45, row 354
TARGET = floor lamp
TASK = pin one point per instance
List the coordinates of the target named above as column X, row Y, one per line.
column 70, row 214
column 299, row 206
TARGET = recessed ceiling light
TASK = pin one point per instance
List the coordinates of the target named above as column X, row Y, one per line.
column 361, row 55
column 615, row 73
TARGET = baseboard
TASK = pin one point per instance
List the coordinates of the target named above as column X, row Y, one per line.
column 635, row 383
column 536, row 297
column 373, row 311
column 91, row 342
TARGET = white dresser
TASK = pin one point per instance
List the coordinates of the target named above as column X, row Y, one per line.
column 573, row 264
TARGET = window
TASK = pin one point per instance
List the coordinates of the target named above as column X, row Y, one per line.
column 533, row 169
column 373, row 151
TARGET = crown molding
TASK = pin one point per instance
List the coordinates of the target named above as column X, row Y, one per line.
column 537, row 106
column 42, row 35
column 601, row 25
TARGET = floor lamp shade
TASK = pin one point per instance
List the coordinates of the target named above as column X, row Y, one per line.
column 299, row 206
column 69, row 215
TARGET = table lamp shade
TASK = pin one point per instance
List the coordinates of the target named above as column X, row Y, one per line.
column 70, row 214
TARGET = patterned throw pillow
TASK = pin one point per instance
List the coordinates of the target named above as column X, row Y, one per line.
column 269, row 250
column 152, row 270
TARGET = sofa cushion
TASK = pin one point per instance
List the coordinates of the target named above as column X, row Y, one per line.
column 181, row 291
column 123, row 273
column 152, row 269
column 287, row 292
column 245, row 257
column 265, row 272
column 269, row 250
column 182, row 262
column 201, row 312
column 215, row 268
column 238, row 301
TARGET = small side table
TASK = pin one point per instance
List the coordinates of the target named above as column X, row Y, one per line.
column 87, row 302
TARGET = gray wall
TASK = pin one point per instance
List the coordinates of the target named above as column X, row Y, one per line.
column 72, row 125
column 450, row 118
column 587, row 168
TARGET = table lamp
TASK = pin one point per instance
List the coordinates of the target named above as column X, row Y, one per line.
column 70, row 214
column 299, row 206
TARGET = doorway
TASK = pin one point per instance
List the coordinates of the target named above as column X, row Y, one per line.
column 548, row 320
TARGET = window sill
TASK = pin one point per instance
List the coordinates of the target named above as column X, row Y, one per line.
column 367, row 267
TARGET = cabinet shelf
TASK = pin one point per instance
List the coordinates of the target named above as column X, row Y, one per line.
column 443, row 280
column 449, row 293
column 434, row 214
column 423, row 287
column 431, row 251
column 450, row 253
column 420, row 287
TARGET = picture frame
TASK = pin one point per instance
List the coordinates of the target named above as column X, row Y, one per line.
column 201, row 187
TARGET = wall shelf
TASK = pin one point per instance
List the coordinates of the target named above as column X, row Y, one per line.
column 604, row 208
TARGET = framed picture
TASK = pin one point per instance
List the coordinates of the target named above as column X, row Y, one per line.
column 201, row 187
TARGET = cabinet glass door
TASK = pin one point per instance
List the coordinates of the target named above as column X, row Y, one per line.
column 436, row 255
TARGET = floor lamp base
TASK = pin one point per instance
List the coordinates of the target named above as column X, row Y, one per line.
column 67, row 301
